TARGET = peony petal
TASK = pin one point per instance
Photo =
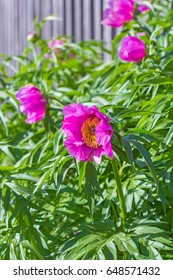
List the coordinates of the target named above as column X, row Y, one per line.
column 34, row 117
column 75, row 109
column 72, row 126
column 97, row 155
column 108, row 150
column 94, row 110
column 103, row 133
column 78, row 150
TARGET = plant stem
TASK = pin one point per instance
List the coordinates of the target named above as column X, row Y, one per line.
column 120, row 193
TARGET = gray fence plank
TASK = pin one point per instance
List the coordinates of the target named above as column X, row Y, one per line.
column 37, row 9
column 30, row 15
column 21, row 21
column 9, row 23
column 46, row 11
column 77, row 20
column 97, row 19
column 68, row 17
column 2, row 28
column 58, row 9
column 86, row 19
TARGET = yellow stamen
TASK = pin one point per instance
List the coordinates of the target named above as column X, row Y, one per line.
column 88, row 132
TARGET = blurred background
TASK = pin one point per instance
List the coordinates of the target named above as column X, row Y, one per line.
column 79, row 18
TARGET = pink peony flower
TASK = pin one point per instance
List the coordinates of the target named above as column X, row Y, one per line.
column 32, row 103
column 88, row 132
column 118, row 12
column 132, row 49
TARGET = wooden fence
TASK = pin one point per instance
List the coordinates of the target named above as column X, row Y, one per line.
column 79, row 18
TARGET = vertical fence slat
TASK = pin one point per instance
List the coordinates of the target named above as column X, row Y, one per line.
column 92, row 18
column 77, row 20
column 73, row 17
column 68, row 18
column 21, row 20
column 46, row 11
column 58, row 10
column 13, row 38
column 97, row 20
column 64, row 17
column 87, row 19
column 82, row 21
column 37, row 10
column 30, row 15
column 5, row 27
column 2, row 27
column 9, row 24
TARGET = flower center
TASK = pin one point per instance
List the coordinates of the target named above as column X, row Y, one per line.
column 88, row 132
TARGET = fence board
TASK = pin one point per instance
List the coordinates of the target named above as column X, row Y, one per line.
column 79, row 18
column 30, row 14
column 57, row 9
column 2, row 28
column 45, row 11
column 68, row 17
column 97, row 19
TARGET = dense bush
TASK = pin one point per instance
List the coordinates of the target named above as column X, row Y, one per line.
column 53, row 206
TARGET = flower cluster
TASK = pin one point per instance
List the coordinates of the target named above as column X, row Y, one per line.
column 119, row 12
column 88, row 131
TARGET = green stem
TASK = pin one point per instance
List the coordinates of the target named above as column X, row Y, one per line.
column 120, row 193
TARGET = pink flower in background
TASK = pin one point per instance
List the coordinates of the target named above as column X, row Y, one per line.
column 118, row 12
column 132, row 49
column 56, row 45
column 140, row 34
column 88, row 132
column 141, row 8
column 32, row 103
column 71, row 55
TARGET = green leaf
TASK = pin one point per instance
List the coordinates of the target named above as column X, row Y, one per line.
column 148, row 160
column 27, row 244
column 128, row 150
column 43, row 179
column 169, row 136
column 125, row 243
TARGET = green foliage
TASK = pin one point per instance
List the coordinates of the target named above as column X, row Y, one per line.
column 54, row 207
